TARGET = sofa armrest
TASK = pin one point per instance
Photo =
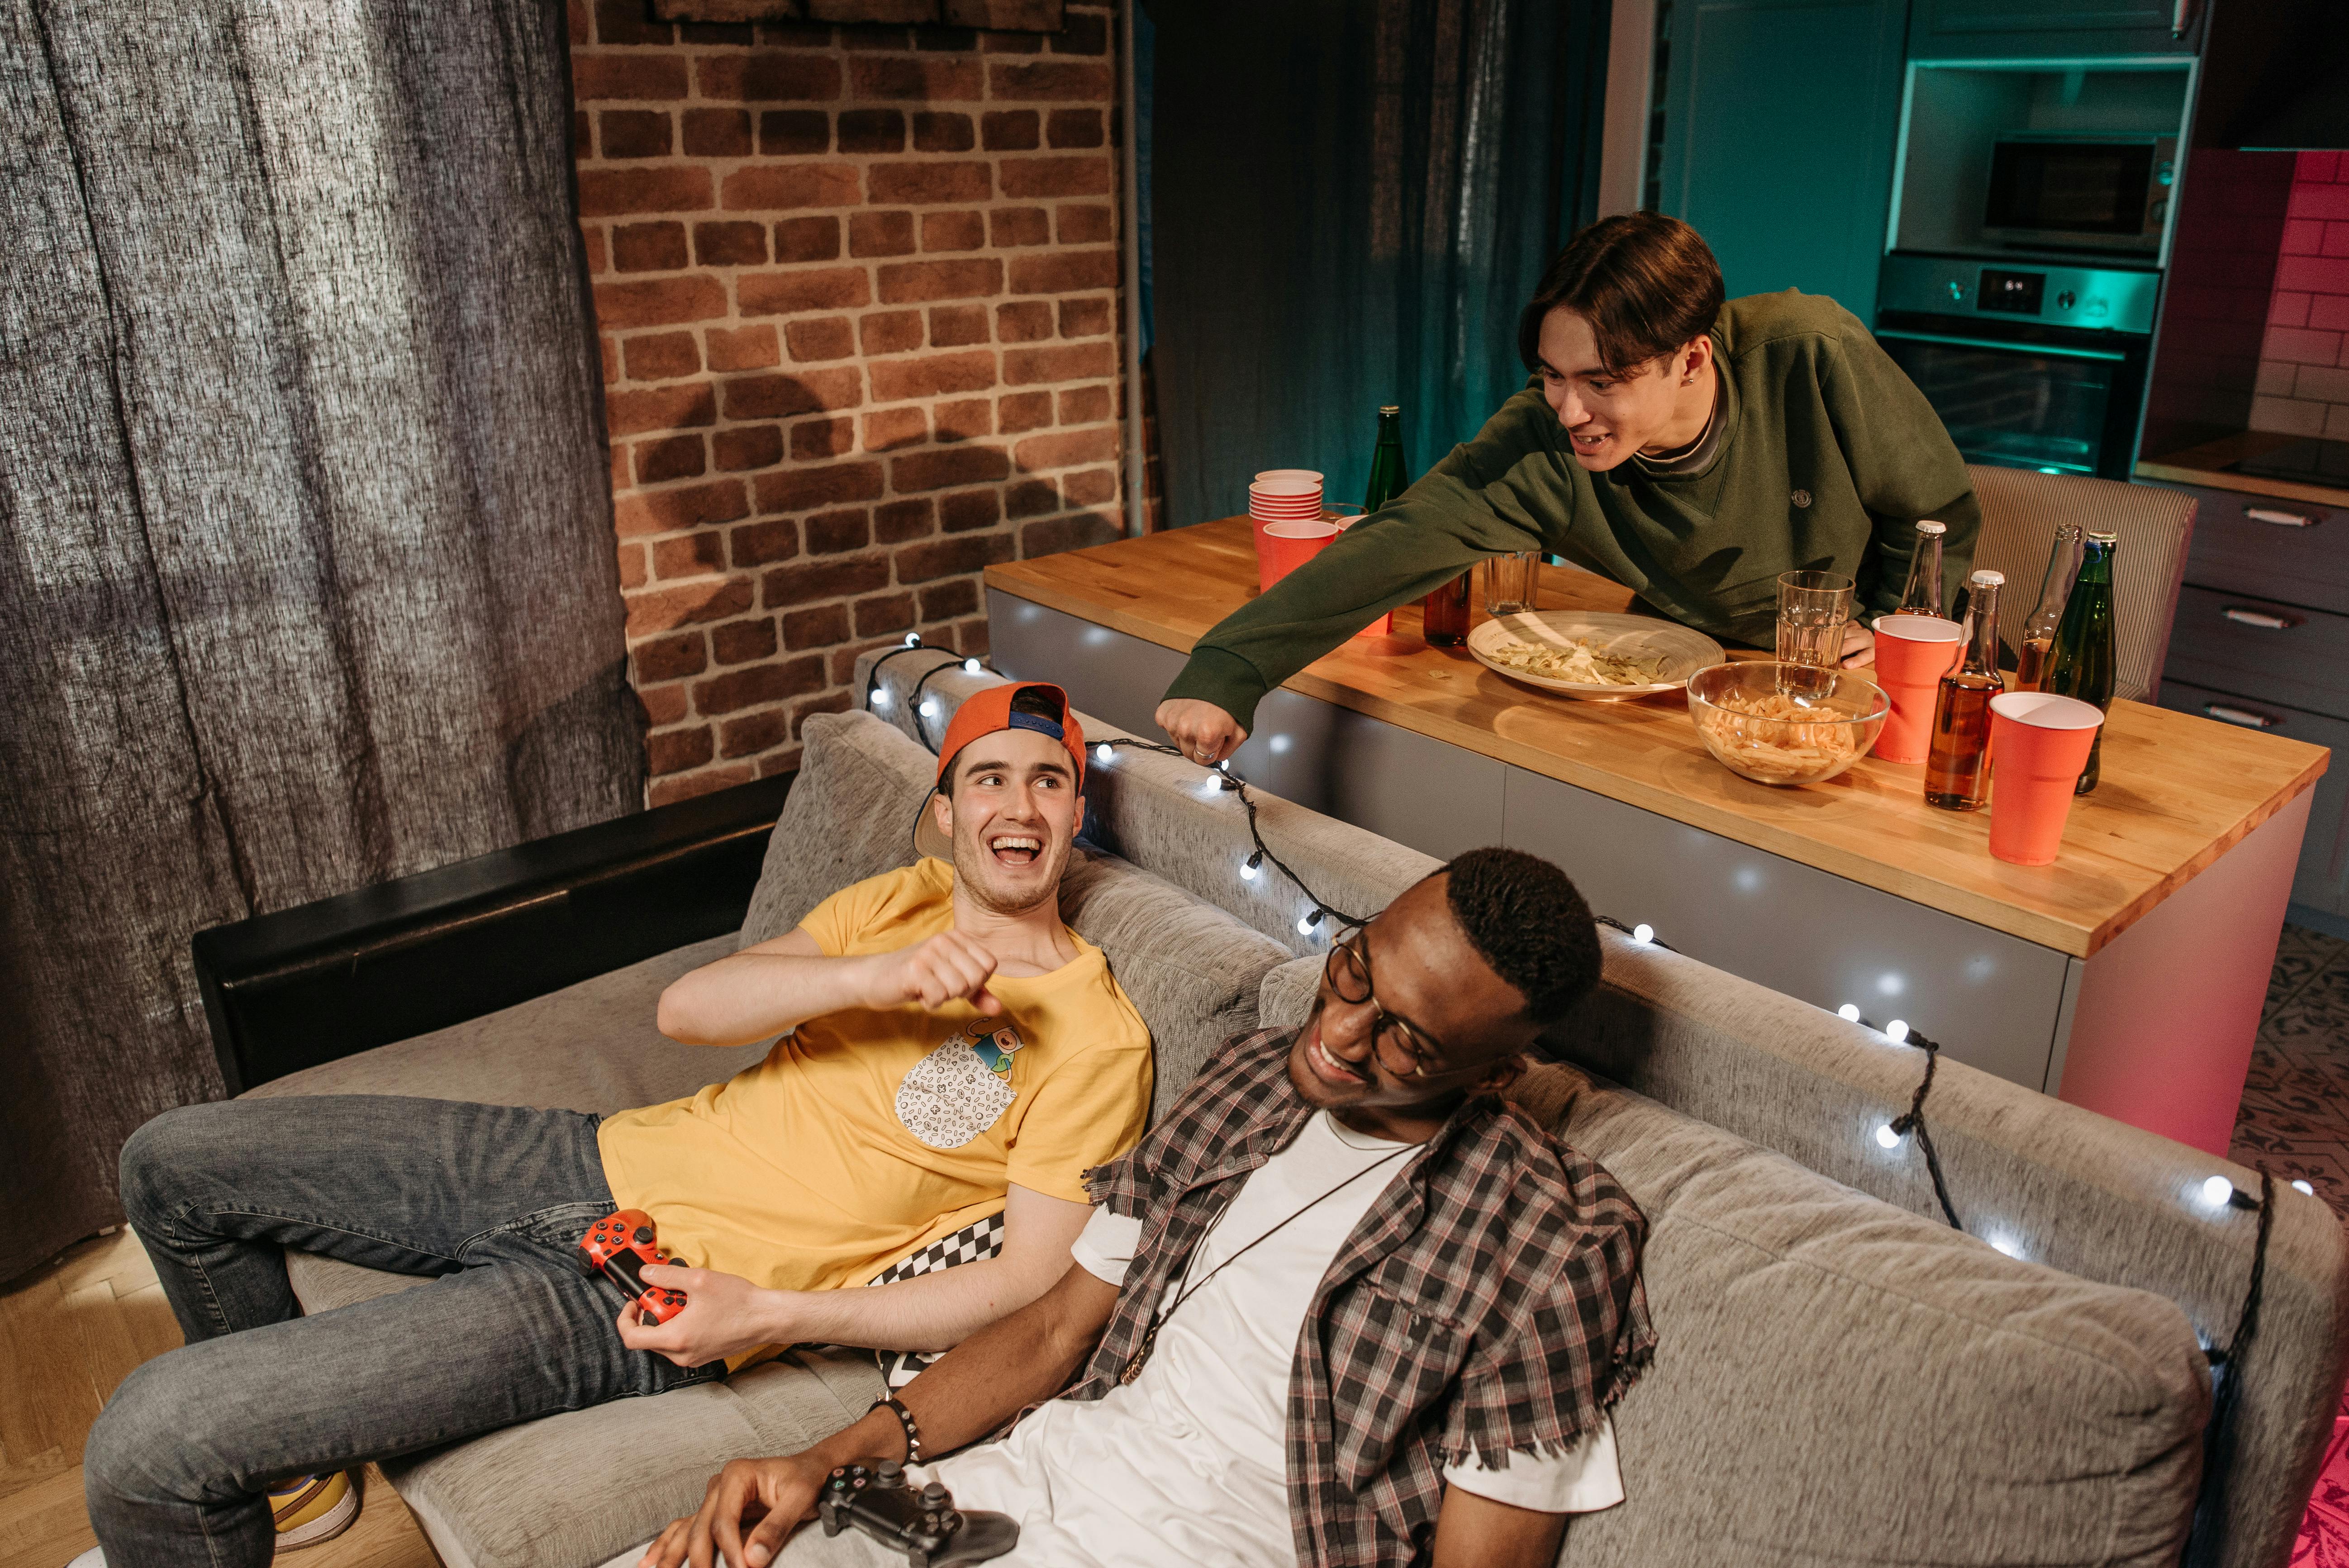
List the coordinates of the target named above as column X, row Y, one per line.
column 305, row 986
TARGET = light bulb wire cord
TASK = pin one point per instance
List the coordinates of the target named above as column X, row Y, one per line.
column 1913, row 1120
column 2205, row 1545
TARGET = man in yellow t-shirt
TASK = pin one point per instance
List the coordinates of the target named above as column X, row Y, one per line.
column 949, row 1051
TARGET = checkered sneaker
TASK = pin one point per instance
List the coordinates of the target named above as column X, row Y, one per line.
column 979, row 1240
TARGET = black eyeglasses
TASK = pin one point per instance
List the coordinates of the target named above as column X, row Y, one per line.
column 1403, row 1051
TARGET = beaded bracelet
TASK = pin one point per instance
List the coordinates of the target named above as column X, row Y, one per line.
column 897, row 1407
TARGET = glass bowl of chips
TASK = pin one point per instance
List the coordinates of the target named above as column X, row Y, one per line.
column 1786, row 724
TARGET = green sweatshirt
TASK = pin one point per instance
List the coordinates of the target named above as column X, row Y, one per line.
column 1828, row 459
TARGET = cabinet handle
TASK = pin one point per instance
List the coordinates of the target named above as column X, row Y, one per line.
column 2266, row 620
column 2281, row 519
column 2243, row 715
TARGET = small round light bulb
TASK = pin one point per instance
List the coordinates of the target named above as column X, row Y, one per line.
column 2215, row 1190
column 913, row 639
column 1886, row 1138
column 971, row 666
column 1643, row 933
column 2303, row 1187
column 1848, row 1013
column 1896, row 1031
column 929, row 707
column 1102, row 753
column 881, row 697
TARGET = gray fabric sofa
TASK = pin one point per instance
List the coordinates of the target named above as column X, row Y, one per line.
column 1841, row 1376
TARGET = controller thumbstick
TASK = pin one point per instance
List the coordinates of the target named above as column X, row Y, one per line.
column 933, row 1495
column 644, row 1232
column 889, row 1472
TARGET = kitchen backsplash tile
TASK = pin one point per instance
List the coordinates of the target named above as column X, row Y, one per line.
column 2303, row 388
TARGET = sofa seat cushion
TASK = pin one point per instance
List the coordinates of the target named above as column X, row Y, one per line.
column 580, row 1488
column 1192, row 970
column 1837, row 1380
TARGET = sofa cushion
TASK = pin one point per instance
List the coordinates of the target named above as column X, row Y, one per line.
column 1191, row 969
column 1837, row 1380
column 582, row 1487
column 1286, row 994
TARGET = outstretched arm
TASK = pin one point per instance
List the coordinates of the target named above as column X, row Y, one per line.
column 779, row 984
column 725, row 1315
column 753, row 1504
column 1473, row 1532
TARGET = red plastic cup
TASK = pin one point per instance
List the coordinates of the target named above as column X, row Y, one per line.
column 2038, row 745
column 1283, row 495
column 1913, row 654
column 1282, row 547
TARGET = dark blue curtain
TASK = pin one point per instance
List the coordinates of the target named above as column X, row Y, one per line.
column 1350, row 200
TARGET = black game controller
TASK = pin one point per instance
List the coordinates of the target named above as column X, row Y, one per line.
column 925, row 1526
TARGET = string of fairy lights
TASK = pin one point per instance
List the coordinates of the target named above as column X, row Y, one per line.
column 2216, row 1192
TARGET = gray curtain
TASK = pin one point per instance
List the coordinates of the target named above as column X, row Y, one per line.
column 1351, row 199
column 307, row 571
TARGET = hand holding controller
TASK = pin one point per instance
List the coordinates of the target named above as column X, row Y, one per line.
column 620, row 1245
column 925, row 1524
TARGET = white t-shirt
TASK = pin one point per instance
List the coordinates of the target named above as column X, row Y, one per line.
column 1188, row 1463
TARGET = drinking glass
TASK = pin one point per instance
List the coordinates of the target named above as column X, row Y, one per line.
column 1510, row 582
column 1813, row 607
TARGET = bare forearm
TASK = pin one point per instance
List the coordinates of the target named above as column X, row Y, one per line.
column 991, row 1377
column 748, row 996
column 928, row 1311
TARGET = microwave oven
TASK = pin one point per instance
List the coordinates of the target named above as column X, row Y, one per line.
column 2080, row 192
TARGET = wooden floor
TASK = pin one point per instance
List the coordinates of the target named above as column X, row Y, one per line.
column 69, row 1334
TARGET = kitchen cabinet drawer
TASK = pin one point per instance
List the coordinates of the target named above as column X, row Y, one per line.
column 2288, row 550
column 2324, row 852
column 1965, row 29
column 2261, row 648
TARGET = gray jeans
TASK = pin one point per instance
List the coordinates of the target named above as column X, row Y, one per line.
column 490, row 1199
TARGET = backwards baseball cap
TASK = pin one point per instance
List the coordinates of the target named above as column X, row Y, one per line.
column 1002, row 707
column 1039, row 706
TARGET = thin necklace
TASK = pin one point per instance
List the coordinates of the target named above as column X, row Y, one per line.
column 1149, row 1335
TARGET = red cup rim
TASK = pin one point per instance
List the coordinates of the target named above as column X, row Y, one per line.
column 2045, row 710
column 1285, row 486
column 1933, row 629
column 1303, row 530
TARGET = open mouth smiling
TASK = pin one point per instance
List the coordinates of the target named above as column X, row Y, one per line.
column 1016, row 849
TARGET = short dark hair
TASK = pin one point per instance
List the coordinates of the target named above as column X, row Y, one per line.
column 1645, row 283
column 1039, row 701
column 1524, row 917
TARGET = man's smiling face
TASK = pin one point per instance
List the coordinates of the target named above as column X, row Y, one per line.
column 1011, row 808
column 1608, row 414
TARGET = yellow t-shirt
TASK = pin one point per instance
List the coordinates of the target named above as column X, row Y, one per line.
column 864, row 1135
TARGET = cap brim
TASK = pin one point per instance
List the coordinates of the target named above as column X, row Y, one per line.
column 928, row 840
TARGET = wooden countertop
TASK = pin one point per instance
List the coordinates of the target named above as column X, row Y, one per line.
column 2206, row 465
column 2177, row 792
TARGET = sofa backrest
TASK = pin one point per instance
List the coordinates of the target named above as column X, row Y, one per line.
column 1192, row 970
column 2060, row 1185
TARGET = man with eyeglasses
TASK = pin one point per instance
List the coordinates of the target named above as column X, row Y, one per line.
column 1343, row 1305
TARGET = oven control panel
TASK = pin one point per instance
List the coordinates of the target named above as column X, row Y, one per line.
column 2107, row 298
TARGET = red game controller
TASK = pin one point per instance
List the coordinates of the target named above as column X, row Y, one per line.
column 620, row 1245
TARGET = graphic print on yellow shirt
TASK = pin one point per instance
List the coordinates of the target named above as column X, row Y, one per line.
column 954, row 1093
column 865, row 1134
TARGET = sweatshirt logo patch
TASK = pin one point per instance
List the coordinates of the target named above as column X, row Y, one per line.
column 1801, row 497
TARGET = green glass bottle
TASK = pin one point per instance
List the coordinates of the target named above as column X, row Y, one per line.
column 1387, row 480
column 2085, row 662
column 1443, row 614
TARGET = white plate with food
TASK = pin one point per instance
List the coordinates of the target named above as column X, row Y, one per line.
column 1592, row 654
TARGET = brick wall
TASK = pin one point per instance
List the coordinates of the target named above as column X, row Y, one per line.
column 858, row 294
column 2304, row 387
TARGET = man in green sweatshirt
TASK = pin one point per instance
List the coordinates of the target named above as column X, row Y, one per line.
column 1688, row 448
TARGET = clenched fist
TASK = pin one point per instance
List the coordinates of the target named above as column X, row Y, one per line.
column 947, row 967
column 1206, row 732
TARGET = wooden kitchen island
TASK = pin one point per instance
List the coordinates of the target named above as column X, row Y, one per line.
column 2126, row 978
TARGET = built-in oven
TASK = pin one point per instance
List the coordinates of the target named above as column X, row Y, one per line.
column 2050, row 190
column 2029, row 365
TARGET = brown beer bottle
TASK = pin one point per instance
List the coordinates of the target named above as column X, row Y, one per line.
column 1955, row 777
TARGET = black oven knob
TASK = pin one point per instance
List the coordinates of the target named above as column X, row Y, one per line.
column 2066, row 300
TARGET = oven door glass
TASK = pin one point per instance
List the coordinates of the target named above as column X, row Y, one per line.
column 2017, row 405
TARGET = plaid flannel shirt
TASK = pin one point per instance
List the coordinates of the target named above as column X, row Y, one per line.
column 1488, row 1302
